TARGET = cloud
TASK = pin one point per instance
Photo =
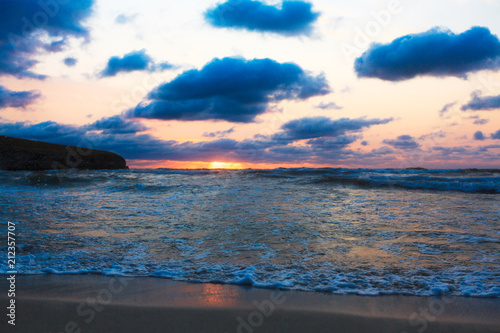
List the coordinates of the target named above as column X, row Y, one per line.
column 321, row 127
column 133, row 61
column 131, row 146
column 446, row 108
column 496, row 135
column 436, row 52
column 56, row 46
column 481, row 121
column 447, row 151
column 30, row 27
column 479, row 136
column 124, row 19
column 433, row 136
column 128, row 145
column 218, row 134
column 383, row 151
column 292, row 19
column 70, row 62
column 403, row 142
column 121, row 136
column 328, row 106
column 230, row 89
column 331, row 150
column 479, row 103
column 116, row 125
column 336, row 143
column 49, row 131
column 17, row 99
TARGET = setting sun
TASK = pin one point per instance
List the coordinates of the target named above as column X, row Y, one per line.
column 224, row 165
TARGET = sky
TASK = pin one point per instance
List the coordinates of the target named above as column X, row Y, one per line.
column 257, row 84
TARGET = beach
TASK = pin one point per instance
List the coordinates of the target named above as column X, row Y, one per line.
column 93, row 303
column 289, row 250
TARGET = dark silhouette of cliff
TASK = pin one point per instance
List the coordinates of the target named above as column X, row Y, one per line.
column 20, row 154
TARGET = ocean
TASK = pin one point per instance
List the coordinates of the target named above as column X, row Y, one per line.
column 341, row 231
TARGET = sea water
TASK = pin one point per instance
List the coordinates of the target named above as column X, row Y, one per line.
column 367, row 232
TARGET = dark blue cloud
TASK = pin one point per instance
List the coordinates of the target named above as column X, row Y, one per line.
column 25, row 24
column 321, row 127
column 70, row 62
column 133, row 61
column 479, row 136
column 47, row 131
column 336, row 143
column 496, row 135
column 231, row 89
column 293, row 18
column 436, row 52
column 204, row 109
column 116, row 125
column 17, row 99
column 479, row 103
column 403, row 142
column 57, row 18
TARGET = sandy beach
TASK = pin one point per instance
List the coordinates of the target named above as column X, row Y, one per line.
column 92, row 303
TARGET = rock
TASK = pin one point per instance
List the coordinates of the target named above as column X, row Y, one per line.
column 20, row 154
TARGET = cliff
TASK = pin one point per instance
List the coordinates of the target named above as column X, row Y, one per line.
column 20, row 154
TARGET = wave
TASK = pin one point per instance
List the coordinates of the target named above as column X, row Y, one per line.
column 485, row 185
column 325, row 278
column 484, row 181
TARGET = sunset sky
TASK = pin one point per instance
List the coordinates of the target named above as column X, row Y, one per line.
column 257, row 84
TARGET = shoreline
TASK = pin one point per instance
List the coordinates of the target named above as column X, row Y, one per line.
column 95, row 303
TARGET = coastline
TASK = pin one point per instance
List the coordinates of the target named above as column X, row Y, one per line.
column 95, row 303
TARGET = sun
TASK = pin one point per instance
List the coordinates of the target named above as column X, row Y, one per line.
column 225, row 165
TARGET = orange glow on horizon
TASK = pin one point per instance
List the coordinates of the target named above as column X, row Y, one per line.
column 225, row 165
column 145, row 164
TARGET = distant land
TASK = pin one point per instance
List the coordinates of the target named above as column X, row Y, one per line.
column 20, row 154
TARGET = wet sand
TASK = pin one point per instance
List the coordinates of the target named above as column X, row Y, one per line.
column 92, row 303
